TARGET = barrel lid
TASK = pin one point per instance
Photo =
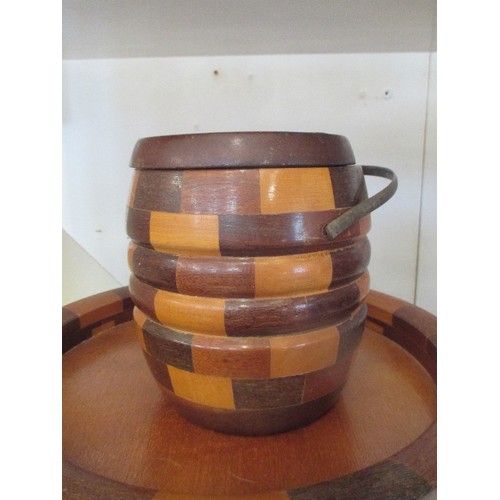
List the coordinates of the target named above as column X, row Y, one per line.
column 242, row 150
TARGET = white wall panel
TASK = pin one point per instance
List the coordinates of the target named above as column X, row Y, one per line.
column 427, row 255
column 377, row 100
column 81, row 274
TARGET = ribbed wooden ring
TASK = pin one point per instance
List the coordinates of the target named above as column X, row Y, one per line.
column 249, row 317
column 249, row 277
column 239, row 235
column 251, row 357
column 241, row 149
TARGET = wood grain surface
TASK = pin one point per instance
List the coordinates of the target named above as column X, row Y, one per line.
column 264, row 211
column 250, row 277
column 240, row 235
column 241, row 149
column 249, row 317
column 250, row 357
column 121, row 438
column 267, row 190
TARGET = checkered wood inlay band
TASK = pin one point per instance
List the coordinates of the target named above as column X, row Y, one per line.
column 250, row 277
column 88, row 317
column 249, row 317
column 250, row 357
column 269, row 211
column 248, row 191
column 226, row 393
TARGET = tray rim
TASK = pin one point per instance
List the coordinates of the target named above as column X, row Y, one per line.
column 410, row 471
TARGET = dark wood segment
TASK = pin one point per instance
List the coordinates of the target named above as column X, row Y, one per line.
column 215, row 277
column 414, row 345
column 330, row 379
column 281, row 234
column 168, row 346
column 143, row 296
column 74, row 336
column 250, row 357
column 80, row 484
column 97, row 308
column 248, row 318
column 159, row 371
column 241, row 150
column 387, row 480
column 268, row 393
column 87, row 317
column 232, row 357
column 124, row 293
column 255, row 422
column 156, row 268
column 70, row 322
column 220, row 192
column 350, row 260
column 349, row 187
column 421, row 456
column 418, row 323
column 138, row 226
column 349, row 340
column 351, row 332
column 105, row 380
column 158, row 190
column 411, row 327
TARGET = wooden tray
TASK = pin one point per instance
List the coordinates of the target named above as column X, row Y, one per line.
column 122, row 440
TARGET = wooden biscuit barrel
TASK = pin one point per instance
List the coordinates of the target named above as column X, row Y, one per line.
column 249, row 257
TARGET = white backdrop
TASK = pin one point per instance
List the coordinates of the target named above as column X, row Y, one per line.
column 379, row 101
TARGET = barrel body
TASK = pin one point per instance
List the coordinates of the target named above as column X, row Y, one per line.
column 248, row 314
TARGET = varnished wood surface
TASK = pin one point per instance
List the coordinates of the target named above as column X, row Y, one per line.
column 249, row 277
column 239, row 235
column 244, row 212
column 378, row 442
column 248, row 317
column 247, row 191
column 241, row 149
column 251, row 357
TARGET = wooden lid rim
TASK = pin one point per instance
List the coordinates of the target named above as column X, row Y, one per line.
column 242, row 150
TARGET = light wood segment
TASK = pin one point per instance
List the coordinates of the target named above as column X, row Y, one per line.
column 185, row 234
column 88, row 314
column 207, row 390
column 297, row 354
column 189, row 313
column 292, row 275
column 382, row 307
column 289, row 190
